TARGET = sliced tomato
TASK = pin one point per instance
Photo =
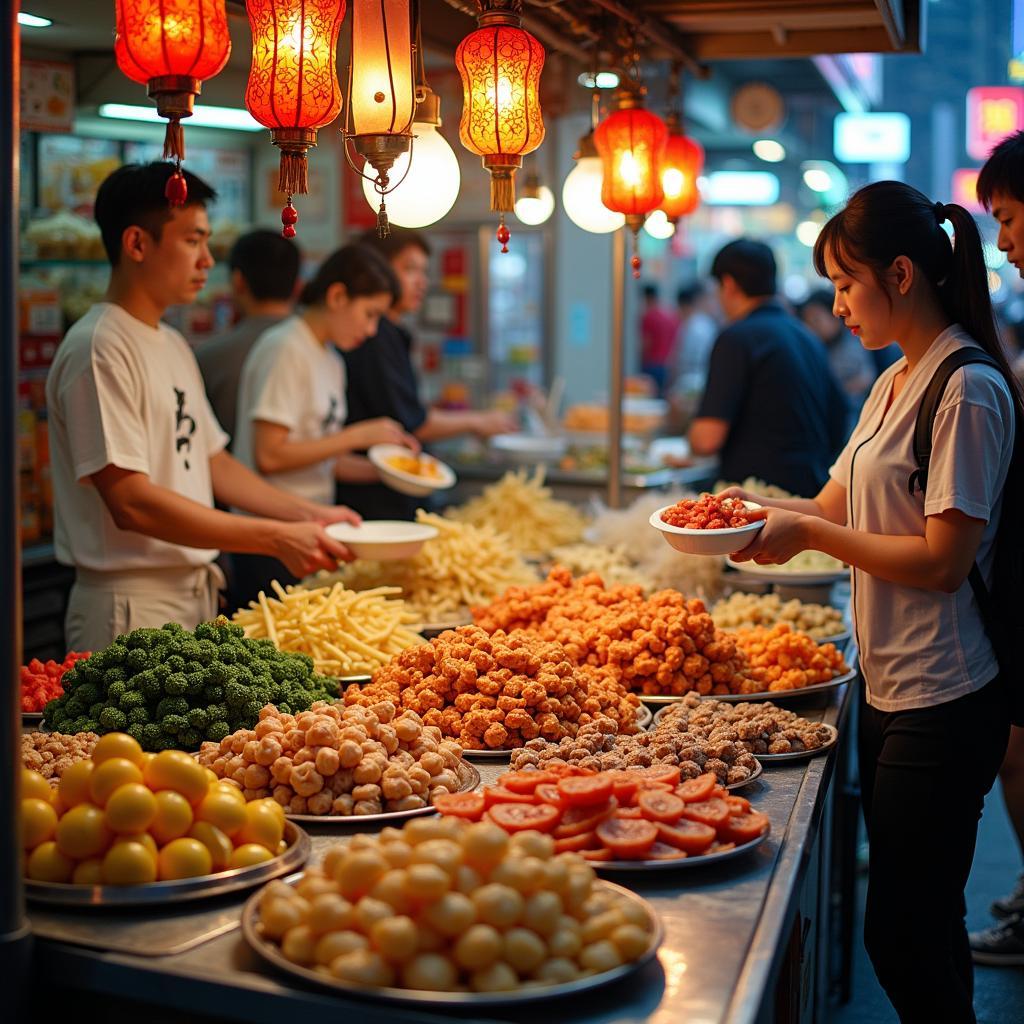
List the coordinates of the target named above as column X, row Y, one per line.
column 520, row 817
column 524, row 781
column 744, row 828
column 547, row 793
column 500, row 795
column 629, row 812
column 564, row 771
column 586, row 790
column 657, row 806
column 603, row 854
column 462, row 805
column 660, row 773
column 719, row 793
column 720, row 847
column 627, row 838
column 624, row 784
column 584, row 841
column 575, row 820
column 662, row 851
column 738, row 804
column 713, row 812
column 691, row 836
column 699, row 788
column 650, row 786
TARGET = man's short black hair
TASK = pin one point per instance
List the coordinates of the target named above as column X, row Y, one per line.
column 133, row 196
column 823, row 298
column 688, row 294
column 750, row 264
column 1003, row 171
column 268, row 262
column 650, row 291
column 394, row 244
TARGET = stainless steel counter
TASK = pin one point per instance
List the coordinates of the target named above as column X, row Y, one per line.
column 726, row 930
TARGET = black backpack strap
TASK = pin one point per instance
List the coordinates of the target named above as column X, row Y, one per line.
column 930, row 405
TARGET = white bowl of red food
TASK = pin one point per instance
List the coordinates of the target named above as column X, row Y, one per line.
column 714, row 526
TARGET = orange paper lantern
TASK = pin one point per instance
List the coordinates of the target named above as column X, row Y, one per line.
column 500, row 65
column 293, row 82
column 631, row 143
column 172, row 47
column 684, row 161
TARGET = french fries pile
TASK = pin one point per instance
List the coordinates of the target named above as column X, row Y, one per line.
column 463, row 566
column 344, row 632
column 522, row 508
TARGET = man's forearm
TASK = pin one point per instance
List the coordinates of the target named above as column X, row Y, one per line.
column 444, row 423
column 235, row 485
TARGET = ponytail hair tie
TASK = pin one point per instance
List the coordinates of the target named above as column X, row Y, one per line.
column 940, row 212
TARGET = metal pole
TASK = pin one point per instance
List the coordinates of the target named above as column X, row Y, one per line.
column 15, row 937
column 617, row 363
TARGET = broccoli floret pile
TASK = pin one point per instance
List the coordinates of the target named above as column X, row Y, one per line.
column 173, row 689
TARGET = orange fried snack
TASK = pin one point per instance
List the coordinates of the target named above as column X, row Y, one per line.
column 662, row 644
column 497, row 692
column 781, row 658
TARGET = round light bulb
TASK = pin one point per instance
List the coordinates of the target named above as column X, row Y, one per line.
column 430, row 188
column 536, row 209
column 817, row 179
column 769, row 150
column 659, row 226
column 581, row 197
column 807, row 232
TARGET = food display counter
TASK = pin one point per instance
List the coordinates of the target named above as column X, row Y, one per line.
column 744, row 941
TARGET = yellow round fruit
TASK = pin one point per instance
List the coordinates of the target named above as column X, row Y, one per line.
column 262, row 825
column 147, row 756
column 248, row 854
column 82, row 833
column 114, row 773
column 34, row 786
column 215, row 841
column 211, row 776
column 117, row 744
column 74, row 784
column 38, row 822
column 275, row 807
column 88, row 872
column 129, row 863
column 47, row 864
column 184, row 858
column 175, row 770
column 222, row 810
column 131, row 808
column 143, row 837
column 173, row 817
column 223, row 786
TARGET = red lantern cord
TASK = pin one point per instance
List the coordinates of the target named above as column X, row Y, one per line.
column 503, row 234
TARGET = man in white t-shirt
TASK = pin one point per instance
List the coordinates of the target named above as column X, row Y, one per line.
column 137, row 454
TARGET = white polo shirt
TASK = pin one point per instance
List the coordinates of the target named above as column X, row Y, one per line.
column 919, row 648
column 291, row 378
column 125, row 394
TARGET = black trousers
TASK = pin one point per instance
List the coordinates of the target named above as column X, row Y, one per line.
column 924, row 775
column 253, row 573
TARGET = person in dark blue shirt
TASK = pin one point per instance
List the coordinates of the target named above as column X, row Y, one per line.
column 772, row 407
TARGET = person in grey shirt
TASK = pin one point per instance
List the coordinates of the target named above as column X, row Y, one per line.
column 264, row 269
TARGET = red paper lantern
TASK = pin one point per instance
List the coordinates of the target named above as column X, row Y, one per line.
column 500, row 65
column 293, row 82
column 172, row 47
column 684, row 161
column 631, row 143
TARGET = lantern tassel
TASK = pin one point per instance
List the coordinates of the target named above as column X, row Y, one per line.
column 174, row 141
column 293, row 178
column 503, row 192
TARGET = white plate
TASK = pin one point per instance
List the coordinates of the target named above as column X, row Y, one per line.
column 271, row 952
column 409, row 483
column 706, row 542
column 780, row 575
column 677, row 863
column 529, row 448
column 382, row 540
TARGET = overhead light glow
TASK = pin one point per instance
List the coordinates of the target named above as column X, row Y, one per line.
column 769, row 150
column 807, row 232
column 817, row 179
column 581, row 198
column 659, row 226
column 535, row 209
column 33, row 21
column 601, row 80
column 740, row 188
column 232, row 118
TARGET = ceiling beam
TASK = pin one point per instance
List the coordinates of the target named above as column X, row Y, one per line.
column 789, row 14
column 892, row 15
column 783, row 43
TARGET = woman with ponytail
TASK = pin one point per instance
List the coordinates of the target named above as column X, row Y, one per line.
column 291, row 396
column 935, row 714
